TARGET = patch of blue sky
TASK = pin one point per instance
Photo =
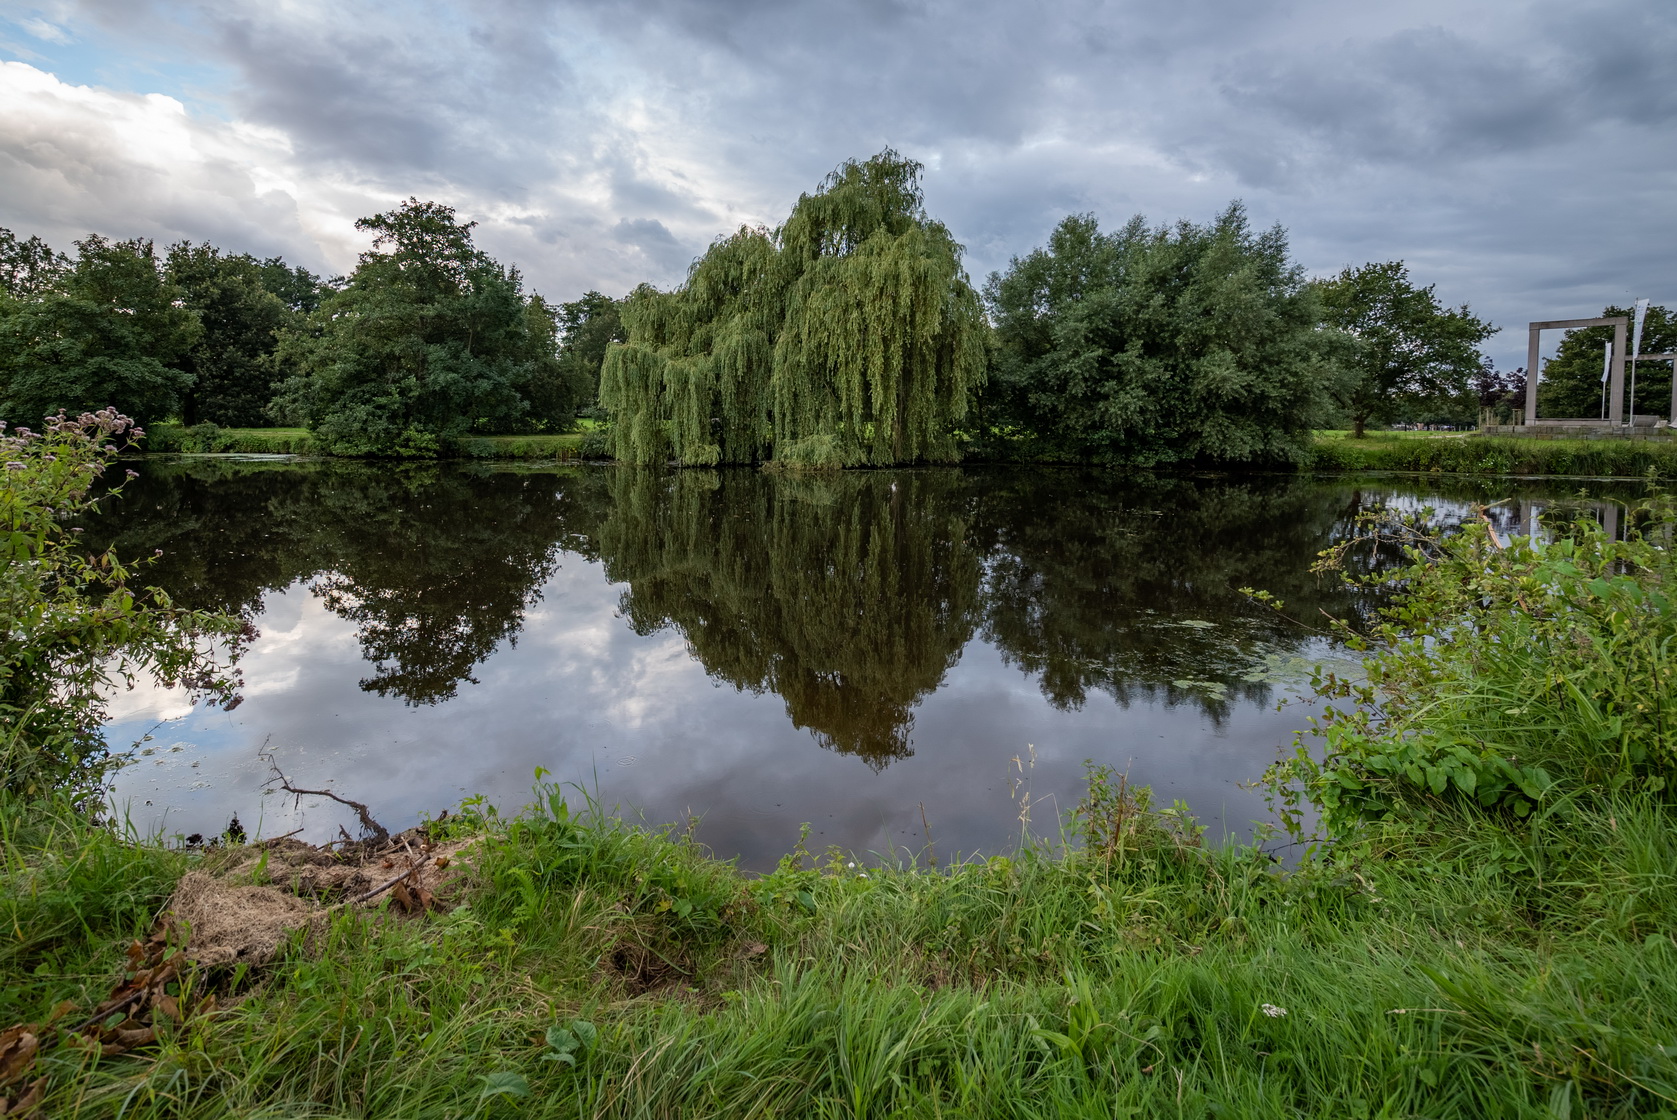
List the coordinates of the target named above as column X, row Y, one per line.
column 80, row 53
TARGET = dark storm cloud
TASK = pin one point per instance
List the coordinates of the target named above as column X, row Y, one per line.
column 660, row 246
column 1521, row 154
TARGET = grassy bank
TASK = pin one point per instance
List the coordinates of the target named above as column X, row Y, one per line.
column 1416, row 974
column 1379, row 451
column 209, row 439
column 1473, row 454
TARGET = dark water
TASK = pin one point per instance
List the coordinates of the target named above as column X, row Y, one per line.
column 752, row 649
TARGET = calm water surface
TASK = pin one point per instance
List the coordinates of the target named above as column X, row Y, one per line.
column 752, row 649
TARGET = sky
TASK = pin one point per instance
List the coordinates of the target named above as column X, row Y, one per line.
column 1522, row 156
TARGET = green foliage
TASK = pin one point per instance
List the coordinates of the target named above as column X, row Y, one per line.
column 1422, row 972
column 1411, row 352
column 210, row 438
column 1571, row 382
column 72, row 626
column 109, row 330
column 847, row 336
column 427, row 340
column 1592, row 458
column 587, row 326
column 72, row 893
column 231, row 364
column 1509, row 673
column 1153, row 346
column 28, row 267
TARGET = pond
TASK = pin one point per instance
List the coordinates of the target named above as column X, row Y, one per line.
column 895, row 657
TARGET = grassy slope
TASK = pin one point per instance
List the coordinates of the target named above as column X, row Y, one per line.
column 297, row 441
column 1472, row 454
column 1418, row 977
column 1333, row 451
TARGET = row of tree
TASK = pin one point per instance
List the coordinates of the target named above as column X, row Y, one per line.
column 848, row 335
column 851, row 335
column 428, row 338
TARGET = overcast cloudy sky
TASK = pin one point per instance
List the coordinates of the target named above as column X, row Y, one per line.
column 1522, row 155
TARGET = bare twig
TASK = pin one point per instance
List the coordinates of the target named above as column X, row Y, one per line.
column 931, row 851
column 368, row 824
column 382, row 887
column 1489, row 528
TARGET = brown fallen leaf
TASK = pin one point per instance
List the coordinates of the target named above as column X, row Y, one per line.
column 24, row 1107
column 18, row 1047
column 442, row 861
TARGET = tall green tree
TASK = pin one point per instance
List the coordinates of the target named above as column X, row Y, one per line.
column 1571, row 383
column 849, row 335
column 28, row 266
column 1411, row 349
column 109, row 329
column 297, row 287
column 428, row 339
column 587, row 326
column 1158, row 345
column 232, row 366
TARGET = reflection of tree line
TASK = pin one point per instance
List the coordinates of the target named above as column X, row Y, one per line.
column 848, row 595
column 435, row 567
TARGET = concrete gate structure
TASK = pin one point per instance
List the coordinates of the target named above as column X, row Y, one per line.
column 1616, row 387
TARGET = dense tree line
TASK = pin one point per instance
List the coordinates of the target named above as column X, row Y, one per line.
column 848, row 335
column 427, row 339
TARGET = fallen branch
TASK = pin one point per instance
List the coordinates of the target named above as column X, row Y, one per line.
column 368, row 824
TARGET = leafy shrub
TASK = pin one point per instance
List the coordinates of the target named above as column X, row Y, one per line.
column 72, row 626
column 1509, row 672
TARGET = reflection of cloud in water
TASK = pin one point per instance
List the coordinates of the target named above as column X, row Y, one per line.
column 581, row 695
column 977, row 612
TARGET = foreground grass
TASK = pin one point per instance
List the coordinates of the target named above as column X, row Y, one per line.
column 1470, row 971
column 1473, row 454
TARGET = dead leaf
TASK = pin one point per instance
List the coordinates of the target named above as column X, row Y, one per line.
column 18, row 1047
column 24, row 1107
column 129, row 1037
column 442, row 861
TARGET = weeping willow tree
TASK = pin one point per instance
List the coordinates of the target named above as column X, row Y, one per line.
column 849, row 596
column 849, row 336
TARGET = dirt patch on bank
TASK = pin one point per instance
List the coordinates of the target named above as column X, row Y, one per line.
column 243, row 913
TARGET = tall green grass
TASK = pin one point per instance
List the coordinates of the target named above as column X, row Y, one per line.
column 1483, row 455
column 1455, row 970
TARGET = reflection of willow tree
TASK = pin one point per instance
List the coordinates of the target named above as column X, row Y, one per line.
column 1133, row 589
column 434, row 566
column 848, row 596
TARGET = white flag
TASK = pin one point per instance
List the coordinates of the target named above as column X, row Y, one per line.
column 1606, row 360
column 1636, row 341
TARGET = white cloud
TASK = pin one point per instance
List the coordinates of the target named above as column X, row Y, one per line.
column 45, row 31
